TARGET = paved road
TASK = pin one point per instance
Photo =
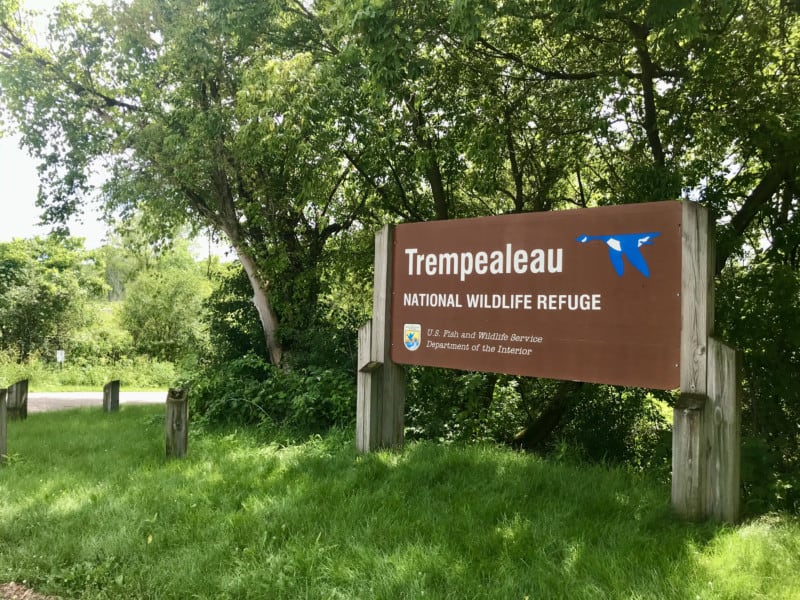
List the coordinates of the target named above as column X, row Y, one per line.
column 44, row 401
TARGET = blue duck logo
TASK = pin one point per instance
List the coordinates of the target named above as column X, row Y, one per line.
column 627, row 245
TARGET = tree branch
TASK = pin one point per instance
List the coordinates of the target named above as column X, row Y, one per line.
column 546, row 73
column 77, row 87
column 647, row 76
column 751, row 208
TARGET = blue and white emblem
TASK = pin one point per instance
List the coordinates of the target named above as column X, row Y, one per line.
column 626, row 245
column 412, row 336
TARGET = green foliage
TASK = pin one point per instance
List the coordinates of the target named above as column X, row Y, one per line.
column 758, row 312
column 232, row 319
column 162, row 311
column 602, row 424
column 619, row 425
column 45, row 284
column 250, row 390
column 451, row 406
column 103, row 338
column 80, row 374
column 298, row 129
column 250, row 517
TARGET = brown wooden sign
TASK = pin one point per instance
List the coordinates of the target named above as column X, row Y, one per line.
column 587, row 294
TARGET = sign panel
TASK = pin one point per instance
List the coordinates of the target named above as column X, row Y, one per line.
column 586, row 295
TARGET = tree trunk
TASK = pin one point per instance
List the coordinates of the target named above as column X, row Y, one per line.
column 538, row 433
column 227, row 220
column 269, row 321
column 646, row 78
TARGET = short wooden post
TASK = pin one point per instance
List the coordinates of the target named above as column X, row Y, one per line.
column 723, row 433
column 177, row 423
column 111, row 396
column 17, row 401
column 3, row 427
column 367, row 394
column 381, row 383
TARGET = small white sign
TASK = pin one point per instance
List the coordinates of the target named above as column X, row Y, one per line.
column 60, row 356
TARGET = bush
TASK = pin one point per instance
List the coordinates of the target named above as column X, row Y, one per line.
column 449, row 405
column 79, row 374
column 249, row 390
column 619, row 425
column 758, row 312
column 602, row 424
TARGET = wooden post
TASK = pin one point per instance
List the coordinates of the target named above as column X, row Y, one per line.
column 3, row 427
column 177, row 423
column 687, row 423
column 381, row 383
column 111, row 396
column 17, row 401
column 723, row 433
column 367, row 407
column 706, row 421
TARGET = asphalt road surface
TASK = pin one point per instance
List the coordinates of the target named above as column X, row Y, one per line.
column 45, row 401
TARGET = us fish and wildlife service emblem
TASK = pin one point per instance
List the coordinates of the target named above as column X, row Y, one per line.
column 412, row 336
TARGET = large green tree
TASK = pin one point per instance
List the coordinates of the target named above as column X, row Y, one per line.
column 45, row 284
column 213, row 113
column 162, row 308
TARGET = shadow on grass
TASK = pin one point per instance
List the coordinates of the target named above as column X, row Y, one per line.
column 92, row 509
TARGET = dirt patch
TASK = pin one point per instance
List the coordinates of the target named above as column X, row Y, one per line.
column 15, row 591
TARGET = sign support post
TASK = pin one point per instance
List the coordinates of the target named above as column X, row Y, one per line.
column 381, row 383
column 706, row 418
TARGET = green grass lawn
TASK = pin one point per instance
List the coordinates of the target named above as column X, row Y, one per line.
column 90, row 508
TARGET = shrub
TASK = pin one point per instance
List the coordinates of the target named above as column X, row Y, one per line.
column 249, row 390
column 79, row 374
column 758, row 312
column 620, row 425
column 452, row 405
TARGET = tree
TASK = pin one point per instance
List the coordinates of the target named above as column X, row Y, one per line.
column 162, row 312
column 199, row 111
column 286, row 125
column 44, row 286
column 546, row 103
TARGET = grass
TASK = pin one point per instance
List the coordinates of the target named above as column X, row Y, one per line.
column 89, row 508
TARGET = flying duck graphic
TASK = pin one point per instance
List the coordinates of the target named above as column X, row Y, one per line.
column 627, row 245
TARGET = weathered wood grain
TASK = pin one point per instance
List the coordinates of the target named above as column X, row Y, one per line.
column 17, row 401
column 688, row 453
column 380, row 401
column 697, row 306
column 367, row 406
column 723, row 434
column 177, row 423
column 706, row 451
column 111, row 396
